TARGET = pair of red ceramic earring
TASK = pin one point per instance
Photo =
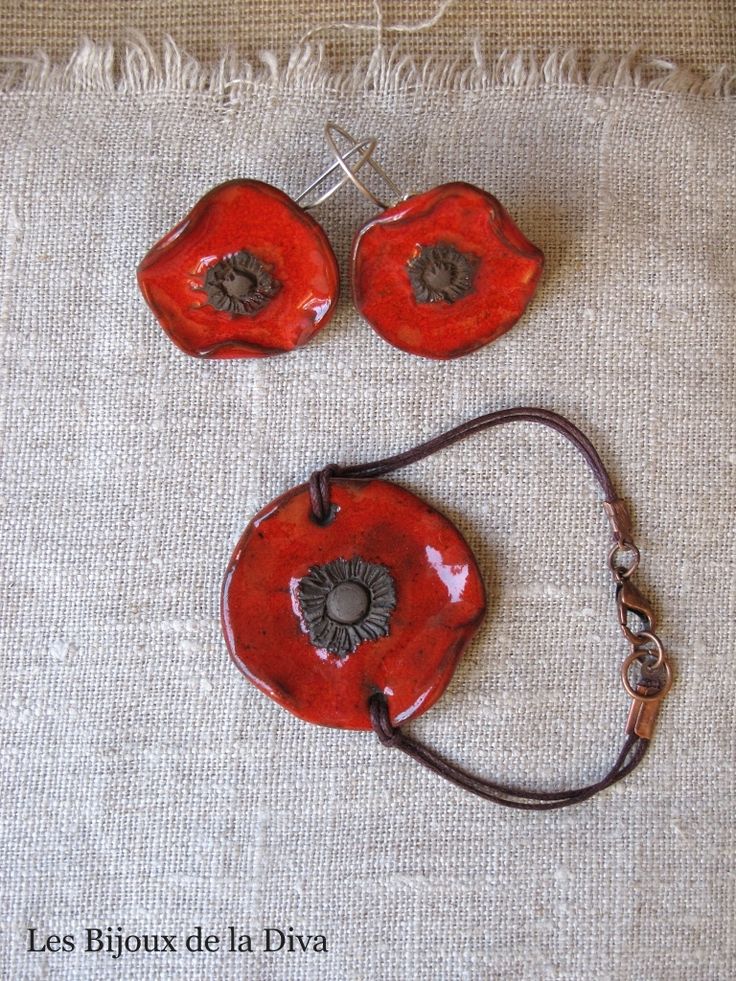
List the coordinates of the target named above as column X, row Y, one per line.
column 249, row 273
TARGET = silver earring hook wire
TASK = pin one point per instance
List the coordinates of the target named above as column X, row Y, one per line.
column 351, row 175
column 365, row 147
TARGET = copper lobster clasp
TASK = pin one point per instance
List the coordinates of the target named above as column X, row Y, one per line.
column 630, row 600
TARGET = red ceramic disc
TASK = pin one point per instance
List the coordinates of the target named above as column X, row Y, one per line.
column 246, row 274
column 390, row 585
column 444, row 272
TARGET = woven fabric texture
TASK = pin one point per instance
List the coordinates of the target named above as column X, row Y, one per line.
column 144, row 783
column 700, row 36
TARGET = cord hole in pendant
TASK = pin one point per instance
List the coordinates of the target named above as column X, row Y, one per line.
column 328, row 518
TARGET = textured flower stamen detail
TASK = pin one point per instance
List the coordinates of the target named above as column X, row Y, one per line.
column 239, row 284
column 441, row 272
column 346, row 602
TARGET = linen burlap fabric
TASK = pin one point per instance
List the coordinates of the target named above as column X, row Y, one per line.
column 700, row 36
column 145, row 784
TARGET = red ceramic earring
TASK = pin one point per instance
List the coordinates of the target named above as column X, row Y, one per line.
column 248, row 273
column 441, row 273
column 349, row 600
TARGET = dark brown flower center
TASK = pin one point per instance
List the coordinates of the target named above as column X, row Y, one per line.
column 438, row 278
column 240, row 284
column 348, row 603
column 441, row 272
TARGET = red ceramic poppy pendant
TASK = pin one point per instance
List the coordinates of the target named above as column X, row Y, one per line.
column 444, row 272
column 248, row 273
column 384, row 597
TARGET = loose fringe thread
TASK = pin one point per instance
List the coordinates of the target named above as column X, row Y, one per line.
column 135, row 68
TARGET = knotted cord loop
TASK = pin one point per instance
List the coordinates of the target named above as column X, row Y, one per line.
column 388, row 734
column 319, row 493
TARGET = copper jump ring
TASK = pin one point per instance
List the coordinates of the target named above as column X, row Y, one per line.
column 623, row 572
column 651, row 696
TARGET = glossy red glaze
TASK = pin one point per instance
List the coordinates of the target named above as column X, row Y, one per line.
column 440, row 602
column 257, row 218
column 506, row 268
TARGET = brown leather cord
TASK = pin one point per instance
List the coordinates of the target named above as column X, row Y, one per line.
column 630, row 756
column 634, row 747
column 319, row 482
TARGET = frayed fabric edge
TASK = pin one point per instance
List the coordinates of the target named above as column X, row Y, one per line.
column 135, row 67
